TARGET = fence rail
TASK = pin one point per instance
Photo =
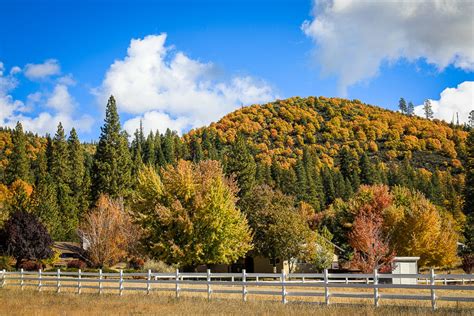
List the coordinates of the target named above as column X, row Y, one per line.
column 239, row 283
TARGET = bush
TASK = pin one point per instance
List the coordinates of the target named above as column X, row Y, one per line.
column 136, row 263
column 468, row 262
column 30, row 265
column 76, row 264
column 6, row 262
column 158, row 266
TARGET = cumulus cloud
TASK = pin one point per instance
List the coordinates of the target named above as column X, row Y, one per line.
column 39, row 71
column 166, row 88
column 12, row 110
column 61, row 100
column 453, row 102
column 154, row 120
column 353, row 38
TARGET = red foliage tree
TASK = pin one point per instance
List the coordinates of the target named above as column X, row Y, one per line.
column 371, row 247
column 367, row 237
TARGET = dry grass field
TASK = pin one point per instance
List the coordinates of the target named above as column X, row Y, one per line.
column 30, row 302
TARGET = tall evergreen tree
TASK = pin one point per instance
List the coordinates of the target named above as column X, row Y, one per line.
column 80, row 190
column 76, row 162
column 367, row 171
column 168, row 147
column 196, row 150
column 61, row 174
column 469, row 182
column 301, row 188
column 328, row 184
column 112, row 162
column 402, row 105
column 410, row 108
column 19, row 165
column 159, row 156
column 150, row 149
column 428, row 109
column 241, row 163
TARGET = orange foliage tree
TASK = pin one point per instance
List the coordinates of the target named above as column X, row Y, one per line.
column 108, row 231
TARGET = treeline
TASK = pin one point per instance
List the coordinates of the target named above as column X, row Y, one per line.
column 316, row 152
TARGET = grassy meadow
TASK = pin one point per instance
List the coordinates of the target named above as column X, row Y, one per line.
column 31, row 302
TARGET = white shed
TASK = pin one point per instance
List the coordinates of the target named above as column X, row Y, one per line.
column 405, row 265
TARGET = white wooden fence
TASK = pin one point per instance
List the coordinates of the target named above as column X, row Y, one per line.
column 251, row 284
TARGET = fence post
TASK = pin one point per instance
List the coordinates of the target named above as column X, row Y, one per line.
column 244, row 285
column 376, row 289
column 148, row 279
column 21, row 279
column 40, row 283
column 283, row 287
column 177, row 283
column 100, row 281
column 209, row 290
column 4, row 277
column 79, row 284
column 326, row 288
column 433, row 294
column 121, row 283
column 58, row 281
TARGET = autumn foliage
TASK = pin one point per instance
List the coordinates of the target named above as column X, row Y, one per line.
column 189, row 214
column 108, row 231
column 368, row 239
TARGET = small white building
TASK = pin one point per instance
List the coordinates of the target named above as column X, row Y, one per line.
column 405, row 265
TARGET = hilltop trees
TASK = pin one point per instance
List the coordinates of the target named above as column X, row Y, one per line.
column 112, row 162
column 189, row 215
column 402, row 105
column 428, row 109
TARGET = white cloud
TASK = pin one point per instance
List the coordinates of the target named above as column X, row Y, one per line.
column 153, row 120
column 60, row 100
column 458, row 100
column 354, row 38
column 38, row 71
column 156, row 82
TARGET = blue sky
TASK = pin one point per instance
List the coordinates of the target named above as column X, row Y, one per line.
column 227, row 53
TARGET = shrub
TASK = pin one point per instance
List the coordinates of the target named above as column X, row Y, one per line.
column 76, row 264
column 6, row 262
column 136, row 263
column 158, row 266
column 468, row 262
column 30, row 265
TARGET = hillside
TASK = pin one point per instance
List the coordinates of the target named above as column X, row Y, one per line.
column 280, row 130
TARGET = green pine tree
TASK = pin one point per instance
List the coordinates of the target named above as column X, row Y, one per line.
column 368, row 174
column 402, row 105
column 159, row 156
column 168, row 147
column 410, row 108
column 428, row 109
column 241, row 163
column 149, row 151
column 112, row 162
column 18, row 163
column 469, row 182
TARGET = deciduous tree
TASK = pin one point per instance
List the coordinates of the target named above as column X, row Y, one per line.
column 189, row 215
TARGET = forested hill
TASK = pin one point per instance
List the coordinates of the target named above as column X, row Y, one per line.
column 281, row 130
column 320, row 149
column 313, row 149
